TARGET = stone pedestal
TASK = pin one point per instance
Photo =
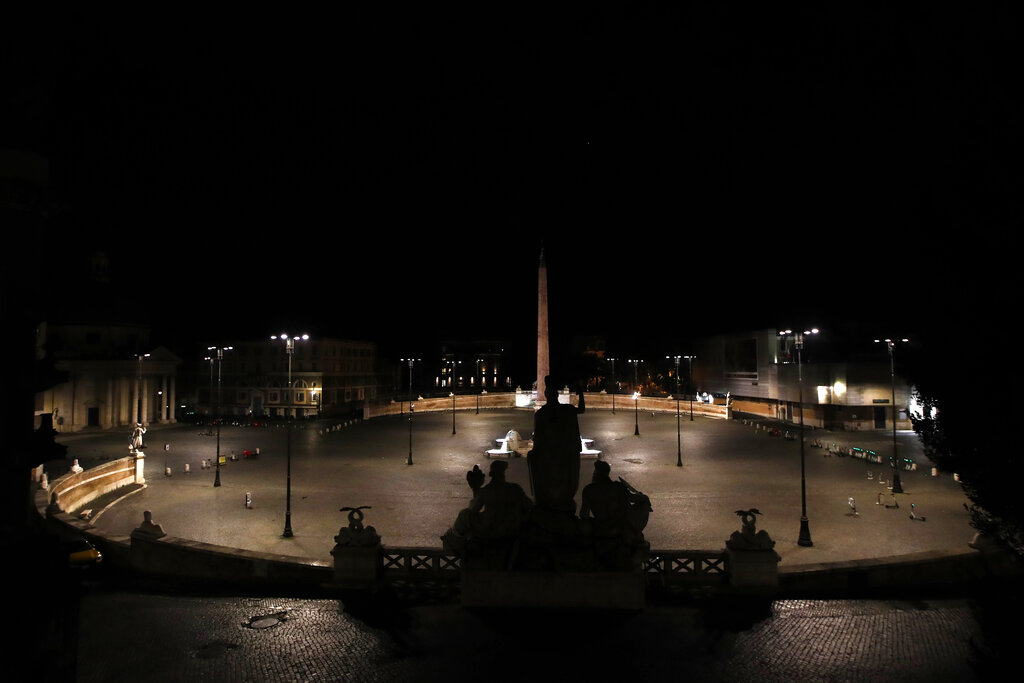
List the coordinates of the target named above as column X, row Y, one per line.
column 140, row 467
column 356, row 566
column 754, row 571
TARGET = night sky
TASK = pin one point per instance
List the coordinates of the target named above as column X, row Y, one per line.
column 687, row 170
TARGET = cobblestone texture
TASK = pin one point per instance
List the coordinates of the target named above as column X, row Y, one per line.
column 175, row 638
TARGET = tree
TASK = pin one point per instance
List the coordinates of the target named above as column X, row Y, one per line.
column 967, row 428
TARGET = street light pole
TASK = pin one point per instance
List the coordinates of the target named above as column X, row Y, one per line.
column 636, row 400
column 142, row 399
column 897, row 485
column 679, row 438
column 690, row 381
column 408, row 460
column 479, row 386
column 613, row 384
column 410, row 361
column 805, row 530
column 289, row 349
column 220, row 358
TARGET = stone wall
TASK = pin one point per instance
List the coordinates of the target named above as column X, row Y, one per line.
column 74, row 490
column 597, row 401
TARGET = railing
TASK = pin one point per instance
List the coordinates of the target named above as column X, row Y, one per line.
column 668, row 567
column 661, row 567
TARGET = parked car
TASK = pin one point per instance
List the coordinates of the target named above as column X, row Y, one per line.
column 80, row 552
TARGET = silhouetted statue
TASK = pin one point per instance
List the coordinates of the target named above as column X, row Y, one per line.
column 497, row 511
column 356, row 534
column 616, row 515
column 748, row 537
column 475, row 478
column 148, row 528
column 554, row 461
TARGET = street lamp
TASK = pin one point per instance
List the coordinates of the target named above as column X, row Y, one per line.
column 289, row 343
column 805, row 530
column 613, row 384
column 220, row 358
column 897, row 485
column 636, row 396
column 138, row 407
column 452, row 385
column 409, row 459
column 410, row 362
column 679, row 437
column 690, row 360
column 480, row 388
column 209, row 410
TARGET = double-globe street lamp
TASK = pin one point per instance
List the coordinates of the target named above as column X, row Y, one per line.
column 410, row 362
column 289, row 349
column 219, row 357
column 679, row 437
column 690, row 360
column 636, row 398
column 897, row 485
column 451, row 381
column 613, row 387
column 805, row 530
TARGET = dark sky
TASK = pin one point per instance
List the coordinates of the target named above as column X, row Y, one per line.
column 393, row 174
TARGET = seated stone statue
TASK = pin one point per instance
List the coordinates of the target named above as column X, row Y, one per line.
column 615, row 515
column 498, row 511
column 148, row 528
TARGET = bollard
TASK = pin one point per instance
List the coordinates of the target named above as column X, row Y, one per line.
column 186, row 468
column 257, row 452
column 167, row 471
column 935, row 471
column 248, row 500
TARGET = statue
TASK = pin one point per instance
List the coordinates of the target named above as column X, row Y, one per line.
column 136, row 442
column 356, row 534
column 475, row 478
column 497, row 511
column 554, row 460
column 748, row 538
column 615, row 514
column 148, row 528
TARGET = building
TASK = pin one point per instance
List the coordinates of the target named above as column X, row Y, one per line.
column 844, row 385
column 329, row 377
column 112, row 377
column 471, row 367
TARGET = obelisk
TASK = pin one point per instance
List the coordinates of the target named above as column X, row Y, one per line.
column 543, row 357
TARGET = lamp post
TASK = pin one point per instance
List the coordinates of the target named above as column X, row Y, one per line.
column 636, row 399
column 613, row 384
column 805, row 530
column 289, row 343
column 480, row 387
column 411, row 362
column 452, row 383
column 220, row 358
column 408, row 460
column 209, row 411
column 690, row 360
column 897, row 485
column 679, row 437
column 142, row 399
